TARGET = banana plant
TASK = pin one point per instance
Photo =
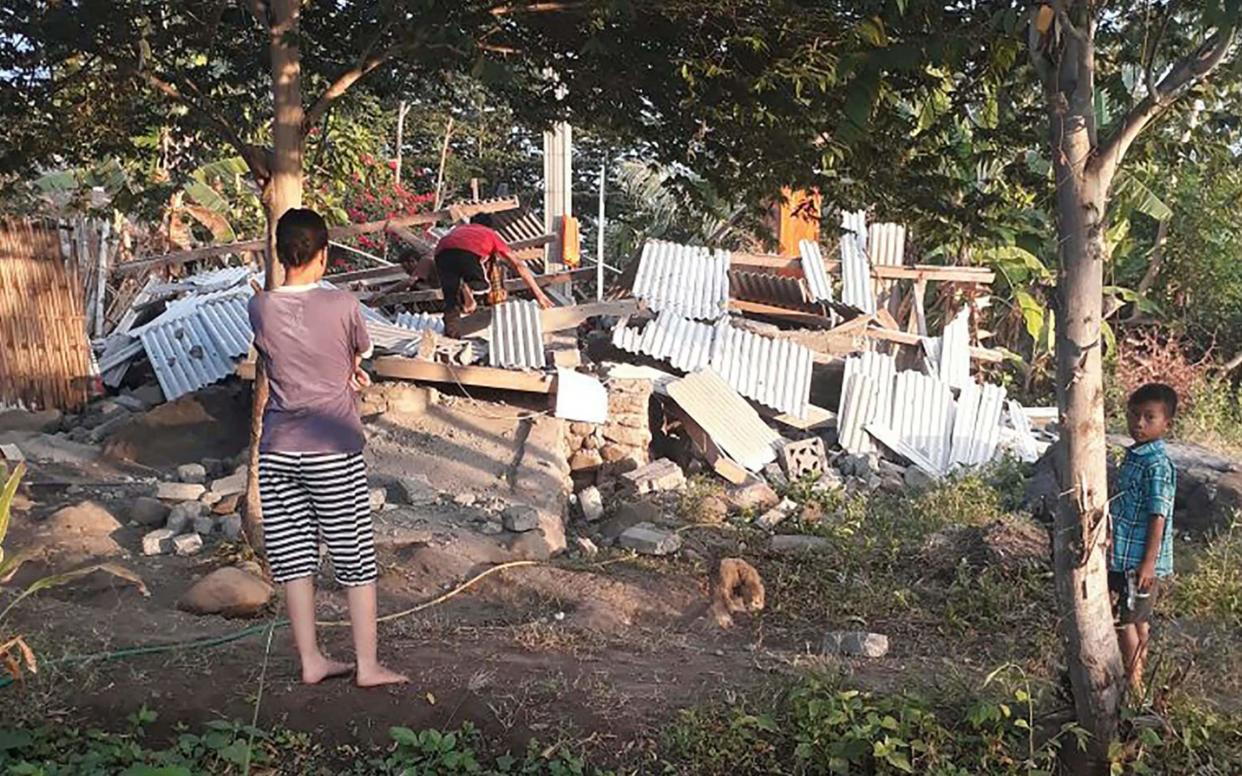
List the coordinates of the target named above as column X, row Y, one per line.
column 16, row 656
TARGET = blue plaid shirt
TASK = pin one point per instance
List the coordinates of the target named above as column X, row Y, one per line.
column 1146, row 486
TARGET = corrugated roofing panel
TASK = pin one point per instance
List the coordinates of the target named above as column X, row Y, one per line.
column 923, row 416
column 886, row 244
column 421, row 321
column 684, row 279
column 855, row 222
column 866, row 397
column 954, row 362
column 767, row 287
column 976, row 429
column 186, row 356
column 774, row 372
column 726, row 417
column 1026, row 446
column 685, row 344
column 517, row 336
column 857, row 290
column 818, row 282
column 219, row 279
column 516, row 225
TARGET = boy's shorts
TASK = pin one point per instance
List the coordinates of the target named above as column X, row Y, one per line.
column 309, row 496
column 1143, row 607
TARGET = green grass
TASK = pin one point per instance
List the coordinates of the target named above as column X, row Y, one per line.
column 1209, row 586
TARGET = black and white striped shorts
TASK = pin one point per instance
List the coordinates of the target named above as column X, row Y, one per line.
column 309, row 496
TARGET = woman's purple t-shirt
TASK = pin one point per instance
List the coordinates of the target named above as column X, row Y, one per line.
column 307, row 338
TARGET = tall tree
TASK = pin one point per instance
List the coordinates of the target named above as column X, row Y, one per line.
column 236, row 69
column 1063, row 39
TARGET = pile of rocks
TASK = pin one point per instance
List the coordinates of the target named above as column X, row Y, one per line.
column 599, row 452
column 193, row 509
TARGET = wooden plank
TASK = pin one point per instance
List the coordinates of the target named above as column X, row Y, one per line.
column 758, row 308
column 562, row 318
column 766, row 261
column 905, row 338
column 886, row 319
column 927, row 272
column 816, row 418
column 453, row 212
column 514, row 284
column 480, row 376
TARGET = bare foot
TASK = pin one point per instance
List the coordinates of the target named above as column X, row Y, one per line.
column 315, row 671
column 379, row 676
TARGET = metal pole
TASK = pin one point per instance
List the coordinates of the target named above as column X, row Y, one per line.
column 402, row 109
column 599, row 240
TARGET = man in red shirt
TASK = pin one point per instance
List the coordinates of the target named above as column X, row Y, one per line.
column 460, row 257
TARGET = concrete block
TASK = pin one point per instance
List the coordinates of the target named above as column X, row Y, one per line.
column 655, row 477
column 649, row 539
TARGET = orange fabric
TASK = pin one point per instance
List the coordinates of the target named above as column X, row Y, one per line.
column 571, row 251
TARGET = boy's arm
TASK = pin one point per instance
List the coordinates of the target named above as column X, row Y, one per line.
column 359, row 336
column 1158, row 493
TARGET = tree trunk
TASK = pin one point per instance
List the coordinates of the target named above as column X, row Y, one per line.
column 1082, row 515
column 283, row 192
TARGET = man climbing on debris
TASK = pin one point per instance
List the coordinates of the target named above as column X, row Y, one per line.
column 468, row 259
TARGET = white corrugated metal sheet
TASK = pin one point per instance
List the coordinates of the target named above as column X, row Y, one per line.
column 1026, row 447
column 818, row 282
column 976, row 427
column 684, row 279
column 731, row 423
column 886, row 244
column 898, row 444
column 856, row 287
column 198, row 346
column 866, row 397
column 517, row 336
column 855, row 222
column 774, row 372
column 954, row 357
column 685, row 344
column 923, row 411
column 780, row 290
column 421, row 321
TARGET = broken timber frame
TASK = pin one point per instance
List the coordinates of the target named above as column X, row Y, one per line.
column 480, row 376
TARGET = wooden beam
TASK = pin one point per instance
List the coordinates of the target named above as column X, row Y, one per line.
column 562, row 318
column 479, row 376
column 453, row 212
column 905, row 338
column 726, row 467
column 371, row 274
column 932, row 272
column 766, row 261
column 758, row 308
column 816, row 417
column 514, row 284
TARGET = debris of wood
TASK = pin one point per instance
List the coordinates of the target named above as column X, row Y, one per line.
column 482, row 376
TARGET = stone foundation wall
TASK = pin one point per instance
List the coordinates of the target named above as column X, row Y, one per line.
column 598, row 453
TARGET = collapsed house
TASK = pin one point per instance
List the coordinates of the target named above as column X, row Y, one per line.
column 728, row 346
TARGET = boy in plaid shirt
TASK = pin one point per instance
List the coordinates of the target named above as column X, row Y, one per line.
column 1142, row 532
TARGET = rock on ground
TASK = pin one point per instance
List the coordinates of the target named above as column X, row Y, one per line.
column 158, row 542
column 179, row 491
column 655, row 477
column 591, row 503
column 856, row 644
column 148, row 511
column 194, row 473
column 75, row 534
column 649, row 539
column 792, row 544
column 183, row 515
column 545, row 541
column 520, row 518
column 229, row 592
column 187, row 544
column 231, row 527
column 754, row 496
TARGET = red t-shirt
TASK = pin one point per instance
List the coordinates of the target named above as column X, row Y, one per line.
column 475, row 238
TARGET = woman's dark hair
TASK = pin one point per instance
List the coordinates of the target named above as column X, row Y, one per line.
column 483, row 219
column 300, row 235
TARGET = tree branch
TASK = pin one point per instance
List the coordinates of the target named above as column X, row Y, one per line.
column 341, row 85
column 512, row 8
column 1188, row 71
column 1064, row 20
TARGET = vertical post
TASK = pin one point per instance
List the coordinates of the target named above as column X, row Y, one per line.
column 599, row 238
column 101, row 276
column 474, row 189
column 402, row 109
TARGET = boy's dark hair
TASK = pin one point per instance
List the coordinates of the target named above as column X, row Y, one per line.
column 1156, row 392
column 483, row 219
column 300, row 235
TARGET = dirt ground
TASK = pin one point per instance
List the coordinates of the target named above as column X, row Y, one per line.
column 597, row 649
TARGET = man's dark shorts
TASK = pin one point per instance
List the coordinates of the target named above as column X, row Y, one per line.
column 454, row 266
column 1143, row 607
